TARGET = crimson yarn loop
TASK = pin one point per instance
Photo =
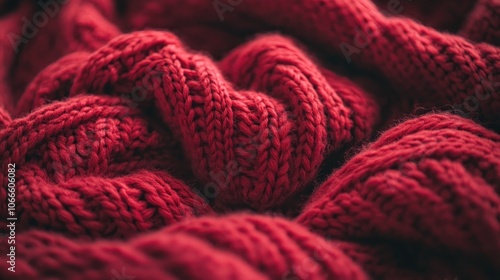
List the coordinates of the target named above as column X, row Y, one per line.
column 433, row 69
column 287, row 251
column 81, row 156
column 290, row 120
column 420, row 182
column 132, row 145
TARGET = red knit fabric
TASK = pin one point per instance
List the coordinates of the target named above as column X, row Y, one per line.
column 250, row 139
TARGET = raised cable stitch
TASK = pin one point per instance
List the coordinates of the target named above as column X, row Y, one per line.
column 241, row 142
column 133, row 146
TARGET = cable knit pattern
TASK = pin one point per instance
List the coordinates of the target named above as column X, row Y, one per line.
column 283, row 128
column 419, row 182
column 435, row 69
column 60, row 150
column 138, row 129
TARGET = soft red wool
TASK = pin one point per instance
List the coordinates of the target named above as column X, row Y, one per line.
column 139, row 128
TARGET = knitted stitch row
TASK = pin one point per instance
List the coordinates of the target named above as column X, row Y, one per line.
column 375, row 216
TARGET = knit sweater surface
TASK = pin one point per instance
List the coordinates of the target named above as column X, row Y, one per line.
column 250, row 139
